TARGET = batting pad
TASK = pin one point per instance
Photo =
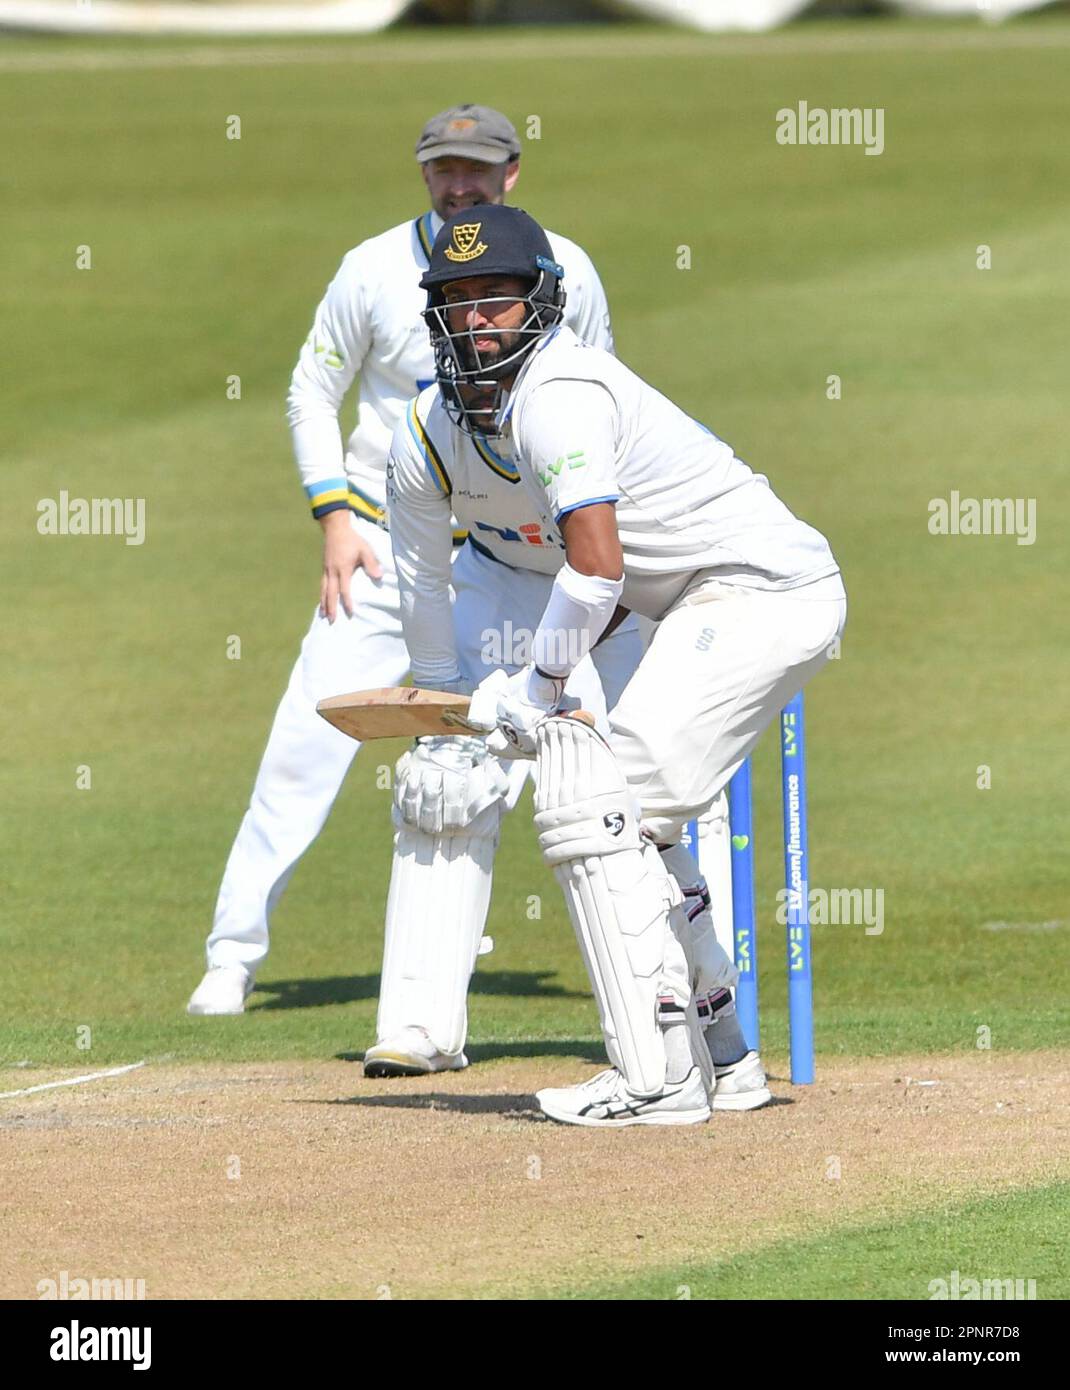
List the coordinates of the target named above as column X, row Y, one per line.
column 711, row 966
column 435, row 914
column 714, row 855
column 617, row 893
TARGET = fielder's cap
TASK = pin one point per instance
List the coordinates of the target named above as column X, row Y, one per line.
column 490, row 240
column 472, row 132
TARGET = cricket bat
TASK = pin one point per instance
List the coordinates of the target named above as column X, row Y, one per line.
column 402, row 711
column 398, row 711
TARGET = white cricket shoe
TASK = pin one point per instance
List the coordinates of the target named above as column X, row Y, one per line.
column 741, row 1086
column 223, row 990
column 410, row 1053
column 606, row 1101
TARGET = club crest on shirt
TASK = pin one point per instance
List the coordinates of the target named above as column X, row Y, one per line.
column 465, row 237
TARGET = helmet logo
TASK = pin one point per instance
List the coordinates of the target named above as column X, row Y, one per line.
column 461, row 126
column 465, row 237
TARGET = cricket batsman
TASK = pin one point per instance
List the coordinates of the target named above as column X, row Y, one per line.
column 368, row 323
column 654, row 515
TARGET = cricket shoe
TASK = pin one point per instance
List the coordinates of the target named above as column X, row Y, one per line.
column 223, row 990
column 606, row 1102
column 741, row 1086
column 410, row 1053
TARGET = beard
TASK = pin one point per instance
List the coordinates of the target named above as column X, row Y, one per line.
column 479, row 399
column 447, row 207
column 486, row 360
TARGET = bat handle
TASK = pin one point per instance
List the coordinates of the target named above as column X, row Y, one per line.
column 583, row 715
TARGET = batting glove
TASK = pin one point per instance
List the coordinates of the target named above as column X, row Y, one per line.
column 512, row 706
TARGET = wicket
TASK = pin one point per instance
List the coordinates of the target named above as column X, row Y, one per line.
column 796, row 878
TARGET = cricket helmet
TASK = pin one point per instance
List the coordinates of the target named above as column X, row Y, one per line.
column 488, row 240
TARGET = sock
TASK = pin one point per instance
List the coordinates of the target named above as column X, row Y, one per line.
column 724, row 1037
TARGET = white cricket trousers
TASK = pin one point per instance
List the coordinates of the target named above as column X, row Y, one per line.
column 722, row 665
column 306, row 759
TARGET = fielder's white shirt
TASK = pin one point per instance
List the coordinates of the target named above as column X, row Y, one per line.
column 579, row 428
column 369, row 322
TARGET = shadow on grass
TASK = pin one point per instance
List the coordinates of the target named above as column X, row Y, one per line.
column 513, row 1107
column 580, row 1050
column 348, row 989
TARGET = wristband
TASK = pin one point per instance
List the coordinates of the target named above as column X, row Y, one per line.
column 579, row 607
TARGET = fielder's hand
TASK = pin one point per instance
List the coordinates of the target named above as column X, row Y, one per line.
column 515, row 704
column 343, row 553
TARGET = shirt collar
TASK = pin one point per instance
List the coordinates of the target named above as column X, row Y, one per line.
column 505, row 412
column 427, row 229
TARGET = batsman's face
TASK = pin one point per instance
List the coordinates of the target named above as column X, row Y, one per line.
column 488, row 307
column 455, row 183
column 487, row 302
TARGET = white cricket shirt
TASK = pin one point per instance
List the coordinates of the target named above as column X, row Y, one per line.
column 437, row 472
column 579, row 428
column 585, row 428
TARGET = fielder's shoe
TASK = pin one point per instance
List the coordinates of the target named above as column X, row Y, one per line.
column 606, row 1101
column 223, row 990
column 410, row 1053
column 741, row 1086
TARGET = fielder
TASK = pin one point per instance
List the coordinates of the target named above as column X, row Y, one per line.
column 657, row 515
column 368, row 322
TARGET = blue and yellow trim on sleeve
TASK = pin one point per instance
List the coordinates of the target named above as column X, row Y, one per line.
column 504, row 468
column 367, row 507
column 328, row 495
column 428, row 451
column 335, row 493
column 424, row 235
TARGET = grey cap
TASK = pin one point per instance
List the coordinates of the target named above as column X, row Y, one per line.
column 472, row 132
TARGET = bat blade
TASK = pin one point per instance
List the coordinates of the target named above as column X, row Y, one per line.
column 397, row 712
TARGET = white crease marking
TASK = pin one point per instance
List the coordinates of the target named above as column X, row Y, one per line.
column 73, row 1080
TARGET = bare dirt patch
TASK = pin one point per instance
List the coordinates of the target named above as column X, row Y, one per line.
column 299, row 1179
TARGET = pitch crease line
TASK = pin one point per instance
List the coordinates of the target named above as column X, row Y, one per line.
column 73, row 1080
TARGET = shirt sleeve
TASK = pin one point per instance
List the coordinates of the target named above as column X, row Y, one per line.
column 421, row 536
column 331, row 357
column 586, row 308
column 566, row 437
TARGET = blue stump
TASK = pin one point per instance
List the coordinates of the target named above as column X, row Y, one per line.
column 797, row 887
column 744, row 935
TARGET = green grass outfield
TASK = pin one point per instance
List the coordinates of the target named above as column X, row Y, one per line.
column 1018, row 1236
column 208, row 257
